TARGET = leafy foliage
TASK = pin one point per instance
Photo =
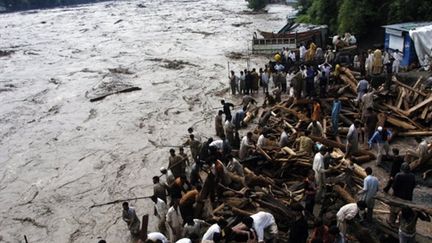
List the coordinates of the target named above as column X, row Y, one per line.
column 257, row 4
column 360, row 16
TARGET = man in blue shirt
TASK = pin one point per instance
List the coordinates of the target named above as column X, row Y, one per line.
column 362, row 88
column 369, row 191
column 335, row 115
column 380, row 138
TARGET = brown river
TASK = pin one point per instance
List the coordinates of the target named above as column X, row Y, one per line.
column 61, row 153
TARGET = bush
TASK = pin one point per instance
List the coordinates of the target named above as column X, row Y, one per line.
column 257, row 4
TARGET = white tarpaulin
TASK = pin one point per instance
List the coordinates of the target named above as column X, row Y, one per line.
column 422, row 38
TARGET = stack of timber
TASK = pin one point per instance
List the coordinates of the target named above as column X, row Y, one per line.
column 274, row 175
column 406, row 109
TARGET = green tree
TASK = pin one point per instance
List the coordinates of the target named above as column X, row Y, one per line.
column 362, row 16
column 257, row 4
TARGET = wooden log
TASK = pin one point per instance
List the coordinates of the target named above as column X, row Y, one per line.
column 262, row 152
column 344, row 194
column 401, row 97
column 361, row 159
column 334, row 144
column 399, row 123
column 289, row 151
column 424, row 113
column 348, row 81
column 349, row 74
column 414, row 133
column 358, row 170
column 418, row 106
column 394, row 79
column 240, row 212
column 220, row 207
column 400, row 113
column 125, row 90
column 293, row 130
column 395, row 201
column 144, row 225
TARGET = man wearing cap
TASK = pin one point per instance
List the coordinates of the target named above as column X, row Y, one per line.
column 403, row 188
column 380, row 138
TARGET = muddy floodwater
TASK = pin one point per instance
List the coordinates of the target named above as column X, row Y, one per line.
column 61, row 153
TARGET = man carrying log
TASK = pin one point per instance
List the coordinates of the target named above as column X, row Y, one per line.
column 368, row 192
column 421, row 155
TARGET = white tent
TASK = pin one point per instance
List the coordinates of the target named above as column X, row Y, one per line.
column 422, row 39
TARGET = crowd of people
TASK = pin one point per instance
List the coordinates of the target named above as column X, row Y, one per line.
column 181, row 192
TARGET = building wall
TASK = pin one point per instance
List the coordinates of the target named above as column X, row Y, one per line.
column 408, row 48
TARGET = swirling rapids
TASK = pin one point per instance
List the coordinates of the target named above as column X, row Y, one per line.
column 60, row 153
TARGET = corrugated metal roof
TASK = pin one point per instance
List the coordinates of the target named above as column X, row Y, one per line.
column 407, row 26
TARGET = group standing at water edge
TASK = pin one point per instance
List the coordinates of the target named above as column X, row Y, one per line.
column 192, row 183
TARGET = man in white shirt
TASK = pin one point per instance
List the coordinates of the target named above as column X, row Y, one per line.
column 155, row 236
column 260, row 222
column 397, row 59
column 284, row 138
column 161, row 210
column 214, row 233
column 174, row 222
column 302, row 51
column 262, row 140
column 319, row 168
column 245, row 146
column 292, row 56
column 347, row 213
column 194, row 228
column 352, row 139
column 315, row 128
